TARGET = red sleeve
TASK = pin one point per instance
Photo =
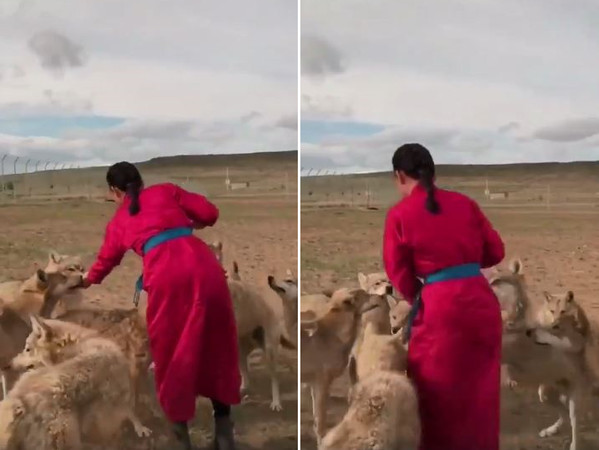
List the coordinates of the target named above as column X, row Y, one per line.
column 493, row 248
column 197, row 207
column 398, row 259
column 110, row 255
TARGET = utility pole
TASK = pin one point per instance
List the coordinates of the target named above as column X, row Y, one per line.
column 2, row 184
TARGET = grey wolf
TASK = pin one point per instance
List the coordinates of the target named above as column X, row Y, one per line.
column 383, row 415
column 326, row 341
column 41, row 292
column 258, row 325
column 127, row 328
column 77, row 388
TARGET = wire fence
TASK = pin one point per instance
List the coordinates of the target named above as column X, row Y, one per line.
column 374, row 191
column 23, row 179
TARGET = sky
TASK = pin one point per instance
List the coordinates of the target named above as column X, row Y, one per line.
column 475, row 81
column 92, row 82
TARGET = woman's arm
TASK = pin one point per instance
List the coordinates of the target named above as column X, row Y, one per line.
column 493, row 248
column 197, row 207
column 398, row 259
column 110, row 255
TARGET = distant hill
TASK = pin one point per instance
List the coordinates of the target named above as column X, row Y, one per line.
column 233, row 160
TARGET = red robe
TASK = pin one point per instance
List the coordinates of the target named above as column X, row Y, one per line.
column 190, row 316
column 455, row 347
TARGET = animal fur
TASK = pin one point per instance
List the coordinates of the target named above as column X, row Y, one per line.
column 528, row 361
column 383, row 415
column 383, row 412
column 287, row 290
column 326, row 342
column 41, row 292
column 127, row 328
column 77, row 389
column 258, row 326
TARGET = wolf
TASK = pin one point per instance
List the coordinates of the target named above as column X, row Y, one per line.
column 258, row 326
column 383, row 412
column 375, row 283
column 379, row 352
column 326, row 342
column 77, row 388
column 528, row 357
column 128, row 329
column 287, row 290
column 70, row 266
column 40, row 293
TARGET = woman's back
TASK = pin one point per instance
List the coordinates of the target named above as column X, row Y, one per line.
column 162, row 207
column 458, row 234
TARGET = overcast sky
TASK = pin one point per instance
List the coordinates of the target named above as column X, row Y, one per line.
column 476, row 81
column 92, row 82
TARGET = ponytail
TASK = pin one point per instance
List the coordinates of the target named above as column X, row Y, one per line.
column 426, row 180
column 125, row 177
column 416, row 162
column 133, row 193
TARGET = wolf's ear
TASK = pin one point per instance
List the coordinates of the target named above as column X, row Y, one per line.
column 569, row 296
column 391, row 301
column 39, row 326
column 289, row 275
column 42, row 276
column 547, row 296
column 274, row 286
column 363, row 280
column 516, row 266
column 55, row 257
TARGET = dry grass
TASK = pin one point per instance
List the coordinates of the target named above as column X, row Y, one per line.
column 559, row 250
column 259, row 232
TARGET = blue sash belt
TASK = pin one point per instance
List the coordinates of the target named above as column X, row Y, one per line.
column 155, row 241
column 450, row 273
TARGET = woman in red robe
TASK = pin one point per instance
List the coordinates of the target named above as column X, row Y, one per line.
column 190, row 317
column 435, row 244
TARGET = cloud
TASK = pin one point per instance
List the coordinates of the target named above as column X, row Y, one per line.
column 55, row 51
column 320, row 57
column 569, row 130
column 193, row 78
column 288, row 122
column 324, row 107
column 426, row 66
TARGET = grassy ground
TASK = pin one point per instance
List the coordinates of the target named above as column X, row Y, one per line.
column 559, row 250
column 259, row 232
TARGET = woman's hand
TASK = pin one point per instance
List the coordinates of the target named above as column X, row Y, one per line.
column 85, row 283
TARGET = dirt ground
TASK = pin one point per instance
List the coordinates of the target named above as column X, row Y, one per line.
column 559, row 250
column 260, row 233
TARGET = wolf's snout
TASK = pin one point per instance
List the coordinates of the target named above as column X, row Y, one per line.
column 395, row 330
column 389, row 290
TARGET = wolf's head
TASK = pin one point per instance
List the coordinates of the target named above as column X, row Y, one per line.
column 375, row 283
column 11, row 410
column 557, row 307
column 63, row 273
column 286, row 288
column 43, row 347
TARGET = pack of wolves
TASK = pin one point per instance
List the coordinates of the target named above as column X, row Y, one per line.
column 547, row 345
column 72, row 374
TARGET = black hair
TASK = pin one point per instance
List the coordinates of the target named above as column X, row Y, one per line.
column 125, row 177
column 416, row 162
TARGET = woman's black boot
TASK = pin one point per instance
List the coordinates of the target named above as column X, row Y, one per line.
column 181, row 432
column 223, row 433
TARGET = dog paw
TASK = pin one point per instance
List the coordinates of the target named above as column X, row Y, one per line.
column 143, row 432
column 276, row 406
